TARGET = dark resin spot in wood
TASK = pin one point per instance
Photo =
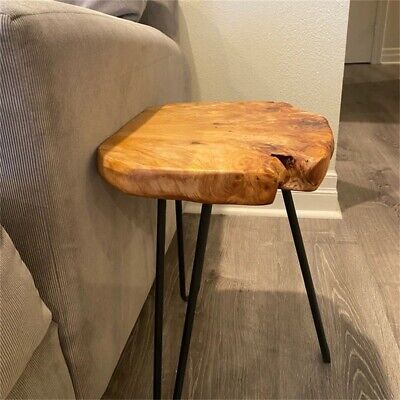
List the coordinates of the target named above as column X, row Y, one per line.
column 287, row 161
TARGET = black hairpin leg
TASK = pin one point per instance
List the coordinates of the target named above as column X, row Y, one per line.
column 159, row 293
column 305, row 270
column 194, row 291
column 181, row 253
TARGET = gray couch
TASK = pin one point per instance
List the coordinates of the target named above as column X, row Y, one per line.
column 69, row 78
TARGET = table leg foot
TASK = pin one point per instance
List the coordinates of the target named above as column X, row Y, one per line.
column 305, row 270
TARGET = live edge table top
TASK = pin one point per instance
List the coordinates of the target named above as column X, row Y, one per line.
column 218, row 153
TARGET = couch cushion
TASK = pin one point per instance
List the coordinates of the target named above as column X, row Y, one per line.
column 24, row 318
column 162, row 15
column 128, row 9
column 46, row 375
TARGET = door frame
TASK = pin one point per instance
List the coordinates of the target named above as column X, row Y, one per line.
column 379, row 31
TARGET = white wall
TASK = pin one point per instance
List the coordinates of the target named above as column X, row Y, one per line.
column 287, row 50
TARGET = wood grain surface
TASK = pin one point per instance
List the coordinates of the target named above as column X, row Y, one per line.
column 253, row 335
column 221, row 153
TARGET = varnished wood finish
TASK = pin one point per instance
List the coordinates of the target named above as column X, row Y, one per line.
column 233, row 153
column 254, row 337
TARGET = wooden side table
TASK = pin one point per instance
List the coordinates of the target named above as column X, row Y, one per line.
column 217, row 153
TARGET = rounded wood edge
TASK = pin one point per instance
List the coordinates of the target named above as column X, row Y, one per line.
column 180, row 187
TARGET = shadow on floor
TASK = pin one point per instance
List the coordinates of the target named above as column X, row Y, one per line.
column 371, row 102
column 370, row 93
column 351, row 195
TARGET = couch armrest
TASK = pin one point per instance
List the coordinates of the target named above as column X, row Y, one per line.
column 69, row 78
column 60, row 47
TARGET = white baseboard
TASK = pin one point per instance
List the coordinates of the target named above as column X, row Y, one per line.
column 390, row 55
column 323, row 204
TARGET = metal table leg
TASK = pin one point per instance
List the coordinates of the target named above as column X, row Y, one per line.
column 194, row 291
column 159, row 294
column 196, row 281
column 305, row 270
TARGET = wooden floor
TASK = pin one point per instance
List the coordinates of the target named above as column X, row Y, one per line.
column 253, row 335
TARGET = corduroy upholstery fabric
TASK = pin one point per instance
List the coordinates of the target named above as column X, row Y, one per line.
column 69, row 78
column 46, row 375
column 24, row 318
